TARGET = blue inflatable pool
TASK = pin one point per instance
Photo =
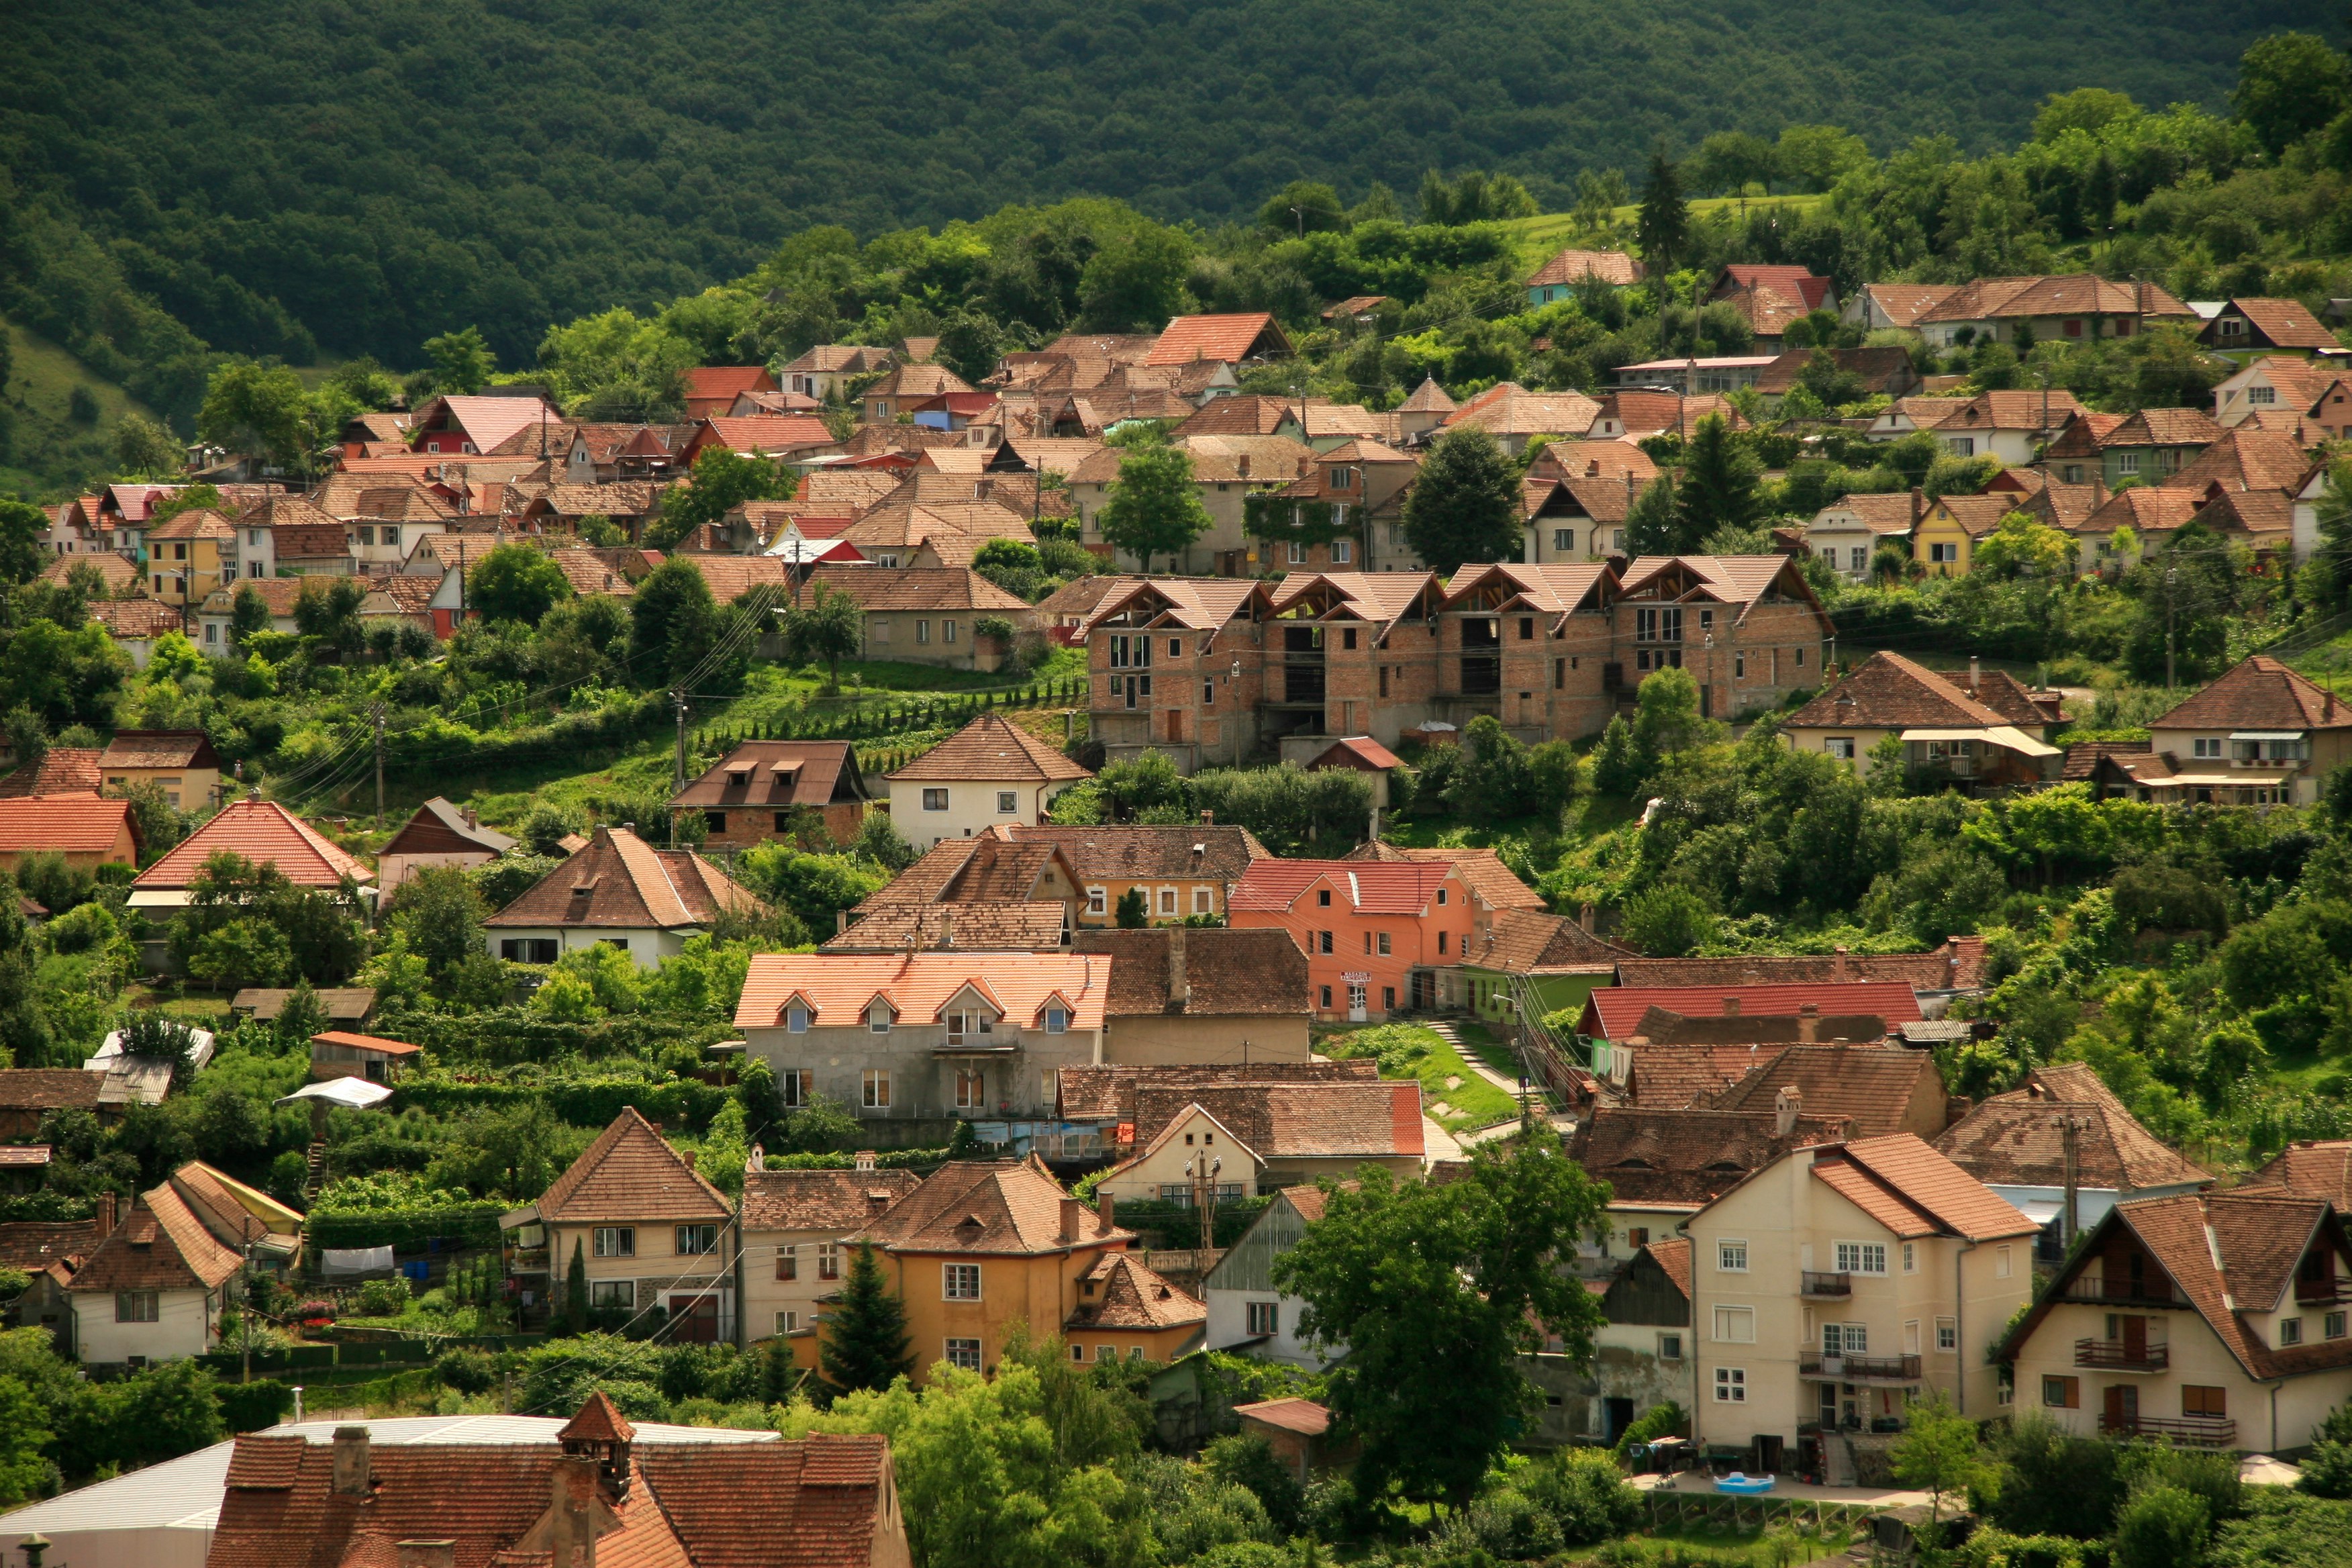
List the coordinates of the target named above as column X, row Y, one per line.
column 1745, row 1485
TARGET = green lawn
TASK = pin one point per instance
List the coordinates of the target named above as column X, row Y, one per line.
column 1452, row 1095
column 1537, row 239
column 52, row 448
column 1489, row 1048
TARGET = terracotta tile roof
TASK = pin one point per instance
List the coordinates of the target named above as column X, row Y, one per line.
column 1614, row 1013
column 2144, row 509
column 68, row 825
column 1115, row 850
column 196, row 522
column 161, row 1246
column 1298, row 1120
column 1872, row 1085
column 2284, row 323
column 1911, row 1190
column 592, row 576
column 1006, row 925
column 1378, row 597
column 1660, row 1026
column 1239, row 974
column 630, row 1172
column 2301, row 383
column 1428, row 398
column 2259, row 693
column 1108, row 1093
column 1723, row 579
column 1903, row 304
column 915, row 381
column 399, row 594
column 2082, row 757
column 1893, row 513
column 118, row 573
column 1226, row 338
column 1957, row 965
column 919, row 986
column 347, row 498
column 62, row 771
column 38, row 1245
column 2083, row 293
column 264, row 832
column 1531, row 941
column 1195, row 603
column 1673, row 1258
column 1555, row 589
column 48, row 1088
column 2085, row 434
column 990, row 750
column 2246, row 459
column 1681, row 1078
column 2068, row 507
column 2258, row 512
column 375, row 1043
column 2012, row 410
column 764, row 431
column 837, row 1201
column 1519, row 411
column 2015, row 1138
column 1360, row 752
column 1611, row 267
column 1080, row 595
column 1890, row 692
column 131, row 620
column 485, row 421
column 1976, row 515
column 620, row 882
column 1671, row 1156
column 1303, row 1417
column 235, row 1214
column 970, row 1206
column 852, row 359
column 340, row 1003
column 1367, row 887
column 278, row 594
column 750, row 776
column 1125, row 1294
column 1606, row 461
column 922, row 588
column 159, row 749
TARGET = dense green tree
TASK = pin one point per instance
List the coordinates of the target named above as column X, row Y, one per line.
column 515, row 582
column 1135, row 282
column 673, row 622
column 722, row 481
column 462, row 360
column 1730, row 161
column 1653, row 522
column 261, row 409
column 2289, row 85
column 1303, row 207
column 248, row 613
column 1153, row 507
column 830, row 626
column 1669, row 922
column 440, row 912
column 1134, row 910
column 1437, row 1291
column 1465, row 505
column 145, row 449
column 866, row 1343
column 1718, row 485
column 1663, row 227
column 575, row 1291
column 1938, row 1454
column 23, row 528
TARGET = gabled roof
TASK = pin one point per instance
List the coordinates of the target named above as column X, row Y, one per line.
column 1614, row 1013
column 765, row 773
column 1650, row 1155
column 159, row 749
column 1195, row 603
column 1495, row 883
column 1102, row 851
column 265, row 833
column 2016, row 1137
column 1957, row 965
column 2144, row 509
column 1611, row 267
column 1512, row 410
column 920, row 588
column 2012, row 410
column 1871, row 1085
column 1532, row 941
column 764, row 431
column 440, row 825
column 1108, row 1093
column 62, row 771
column 2282, row 324
column 1890, row 692
column 1903, row 304
column 1685, row 1078
column 1365, row 887
column 970, row 1206
column 919, row 985
column 1428, row 398
column 2244, row 458
column 2310, row 1168
column 1374, row 1119
column 2074, row 294
column 485, row 421
column 984, row 869
column 69, row 824
column 1913, row 1191
column 1661, row 1027
column 160, row 1246
column 837, row 1201
column 917, row 381
column 2259, row 693
column 1360, row 752
column 629, row 1172
column 48, row 1088
column 1724, row 579
column 196, row 522
column 1121, row 1292
column 724, row 381
column 1228, row 972
column 620, row 882
column 1004, row 925
column 1228, row 339
column 990, row 750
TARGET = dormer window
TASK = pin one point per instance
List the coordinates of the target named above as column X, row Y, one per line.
column 970, row 1025
column 877, row 1017
column 797, row 1019
column 1058, row 1021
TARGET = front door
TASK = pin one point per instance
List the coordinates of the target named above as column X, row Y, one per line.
column 1616, row 1415
column 1356, row 1010
column 1829, row 1406
column 694, row 1320
column 2135, row 1339
column 2123, row 1406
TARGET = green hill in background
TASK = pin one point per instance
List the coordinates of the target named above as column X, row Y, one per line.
column 341, row 178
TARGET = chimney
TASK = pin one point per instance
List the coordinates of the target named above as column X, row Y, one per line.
column 1584, row 917
column 350, row 1475
column 1787, row 1106
column 1179, row 985
column 1731, row 1006
column 866, row 1158
column 1241, row 464
column 1106, row 1202
column 1838, row 965
column 877, row 1205
column 473, row 819
column 571, row 1520
column 1208, row 819
column 687, row 1155
column 1975, row 676
column 840, row 920
column 440, row 1553
column 1808, row 1023
column 1073, row 1214
column 105, row 1214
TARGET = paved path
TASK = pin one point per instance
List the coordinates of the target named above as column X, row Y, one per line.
column 1436, row 1143
column 1445, row 1030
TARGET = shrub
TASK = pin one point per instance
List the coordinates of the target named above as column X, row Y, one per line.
column 2161, row 1527
column 466, row 1369
column 1669, row 922
column 383, row 1299
column 1584, row 1493
column 1250, row 1462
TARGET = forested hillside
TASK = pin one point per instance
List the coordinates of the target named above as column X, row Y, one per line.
column 331, row 177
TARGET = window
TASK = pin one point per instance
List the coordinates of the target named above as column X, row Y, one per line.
column 788, row 1262
column 1323, row 940
column 1106, row 1352
column 2331, row 1327
column 1098, row 900
column 616, row 1241
column 2063, row 1393
column 367, row 533
column 1861, row 1257
column 875, row 1089
column 797, row 1019
column 788, row 1322
column 1384, row 681
column 2127, row 462
column 1297, row 553
column 388, row 534
column 970, row 1088
column 935, row 800
column 2262, row 395
column 1670, row 1347
column 1343, row 551
column 962, row 1282
column 1731, row 1256
column 1326, row 1002
column 1730, row 1385
column 621, row 1293
column 922, row 631
column 1960, row 445
column 1840, row 746
column 2197, row 1400
column 1637, row 1235
column 1845, row 1338
column 963, row 1354
column 1166, row 901
column 1008, row 800
column 1441, row 944
column 2001, row 1263
column 1945, row 552
column 1441, row 895
column 1560, row 675
column 1860, row 557
column 212, row 631
column 1382, row 937
column 1208, row 693
column 879, row 1017
column 1323, row 898
column 1203, row 901
column 2290, row 1331
column 828, row 1259
column 1735, row 1325
column 799, row 1086
column 1078, row 1353
column 1264, row 1317
column 137, row 1306
column 1387, row 998
column 1910, row 1258
column 1739, row 665
column 1948, row 1335
column 1563, row 540
column 2207, row 745
column 947, row 631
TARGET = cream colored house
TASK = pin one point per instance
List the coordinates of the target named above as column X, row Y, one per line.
column 991, row 772
column 2212, row 1320
column 796, row 1226
column 1841, row 1281
column 1194, row 1156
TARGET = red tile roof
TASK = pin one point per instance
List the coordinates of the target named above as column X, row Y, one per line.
column 265, row 833
column 2016, row 1137
column 1612, row 1013
column 764, row 431
column 620, row 882
column 1611, row 266
column 1913, row 1191
column 1359, row 1120
column 1225, row 339
column 1369, row 887
column 837, row 1201
column 986, row 1207
column 160, row 1246
column 629, row 1172
column 1130, row 1295
column 1303, row 1417
column 375, row 1043
column 839, row 987
column 989, row 750
column 2284, row 324
column 68, row 825
column 2259, row 693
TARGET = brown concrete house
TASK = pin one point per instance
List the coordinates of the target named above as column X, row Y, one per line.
column 51, row 1251
column 617, row 890
column 440, row 834
column 2261, row 734
column 2243, row 328
column 926, row 615
column 1182, row 995
column 1981, row 727
column 751, row 796
column 1108, row 1092
column 2310, row 1168
column 597, row 1489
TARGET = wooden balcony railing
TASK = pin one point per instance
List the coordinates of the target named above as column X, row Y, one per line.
column 2116, row 1356
column 2117, row 1293
column 2196, row 1431
column 2319, row 1292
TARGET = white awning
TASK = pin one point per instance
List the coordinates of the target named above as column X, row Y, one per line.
column 158, row 898
column 352, row 1093
column 2234, row 777
column 2266, row 735
column 2040, row 1211
column 2008, row 737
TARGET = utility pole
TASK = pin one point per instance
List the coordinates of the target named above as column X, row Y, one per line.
column 677, row 771
column 379, row 767
column 2167, row 628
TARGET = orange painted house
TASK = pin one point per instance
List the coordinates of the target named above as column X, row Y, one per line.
column 1374, row 932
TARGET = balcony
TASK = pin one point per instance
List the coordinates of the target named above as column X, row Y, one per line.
column 2115, row 1355
column 2121, row 1293
column 2195, row 1431
column 1858, row 1368
column 2319, row 1292
column 1815, row 1286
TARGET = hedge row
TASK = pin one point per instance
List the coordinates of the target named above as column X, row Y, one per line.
column 581, row 1101
column 517, row 1036
column 469, row 1225
column 435, row 745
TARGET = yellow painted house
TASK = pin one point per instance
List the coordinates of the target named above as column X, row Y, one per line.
column 1945, row 542
column 185, row 555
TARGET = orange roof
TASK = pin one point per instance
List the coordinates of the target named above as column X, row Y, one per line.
column 991, row 749
column 70, row 825
column 1907, row 1187
column 265, row 833
column 1303, row 1417
column 765, row 432
column 375, row 1043
column 630, row 1172
column 1226, row 338
column 725, row 381
column 838, row 986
